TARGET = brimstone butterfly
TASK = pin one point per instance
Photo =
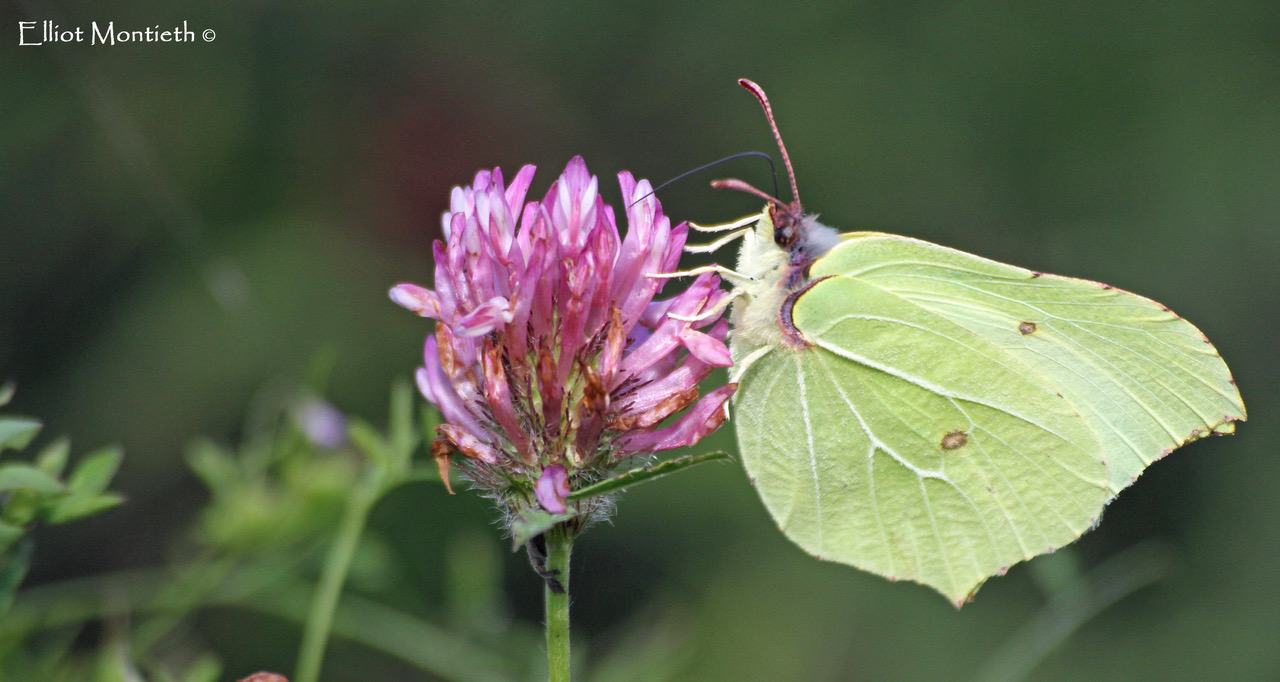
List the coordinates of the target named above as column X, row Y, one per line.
column 929, row 415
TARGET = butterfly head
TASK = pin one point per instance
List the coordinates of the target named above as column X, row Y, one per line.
column 794, row 231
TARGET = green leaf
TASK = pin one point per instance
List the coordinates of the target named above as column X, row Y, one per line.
column 53, row 458
column 9, row 534
column 94, row 472
column 532, row 523
column 212, row 464
column 17, row 432
column 400, row 433
column 206, row 668
column 636, row 476
column 370, row 442
column 6, row 392
column 25, row 476
column 78, row 506
column 12, row 571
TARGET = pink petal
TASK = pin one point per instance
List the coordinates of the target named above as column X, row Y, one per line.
column 468, row 444
column 631, row 287
column 630, row 254
column 615, row 341
column 666, row 337
column 518, row 188
column 552, row 488
column 675, row 247
column 602, row 249
column 703, row 418
column 588, row 415
column 497, row 393
column 444, row 283
column 654, row 313
column 417, row 299
column 493, row 312
column 572, row 204
column 575, row 306
column 706, row 348
column 665, row 405
column 645, row 396
column 436, row 387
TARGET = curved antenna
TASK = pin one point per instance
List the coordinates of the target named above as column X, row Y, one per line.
column 772, row 170
column 768, row 112
column 744, row 187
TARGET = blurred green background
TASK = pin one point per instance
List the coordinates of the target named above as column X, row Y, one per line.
column 184, row 224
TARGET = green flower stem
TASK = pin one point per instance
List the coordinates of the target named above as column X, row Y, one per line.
column 559, row 544
column 319, row 622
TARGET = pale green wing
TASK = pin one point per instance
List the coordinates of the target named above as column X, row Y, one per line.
column 1146, row 380
column 908, row 446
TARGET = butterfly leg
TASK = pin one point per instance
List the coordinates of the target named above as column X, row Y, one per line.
column 737, row 278
column 715, row 245
column 723, row 227
column 741, row 366
column 713, row 311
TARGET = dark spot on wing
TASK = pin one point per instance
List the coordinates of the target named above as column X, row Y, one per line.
column 1027, row 328
column 954, row 440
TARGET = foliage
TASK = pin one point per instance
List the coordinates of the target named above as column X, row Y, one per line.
column 265, row 542
column 42, row 492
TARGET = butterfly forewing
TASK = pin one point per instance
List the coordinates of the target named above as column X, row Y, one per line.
column 1144, row 379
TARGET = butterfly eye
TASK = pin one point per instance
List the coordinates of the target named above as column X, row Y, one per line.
column 784, row 235
column 786, row 225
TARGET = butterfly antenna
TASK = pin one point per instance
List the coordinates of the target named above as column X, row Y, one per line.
column 768, row 112
column 772, row 170
column 744, row 187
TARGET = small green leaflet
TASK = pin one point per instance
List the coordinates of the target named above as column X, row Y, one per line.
column 929, row 415
column 534, row 522
column 644, row 475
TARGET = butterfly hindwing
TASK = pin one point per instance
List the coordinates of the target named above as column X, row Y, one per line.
column 909, row 446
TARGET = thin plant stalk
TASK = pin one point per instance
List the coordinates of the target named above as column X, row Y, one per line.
column 337, row 562
column 1072, row 606
column 559, row 545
